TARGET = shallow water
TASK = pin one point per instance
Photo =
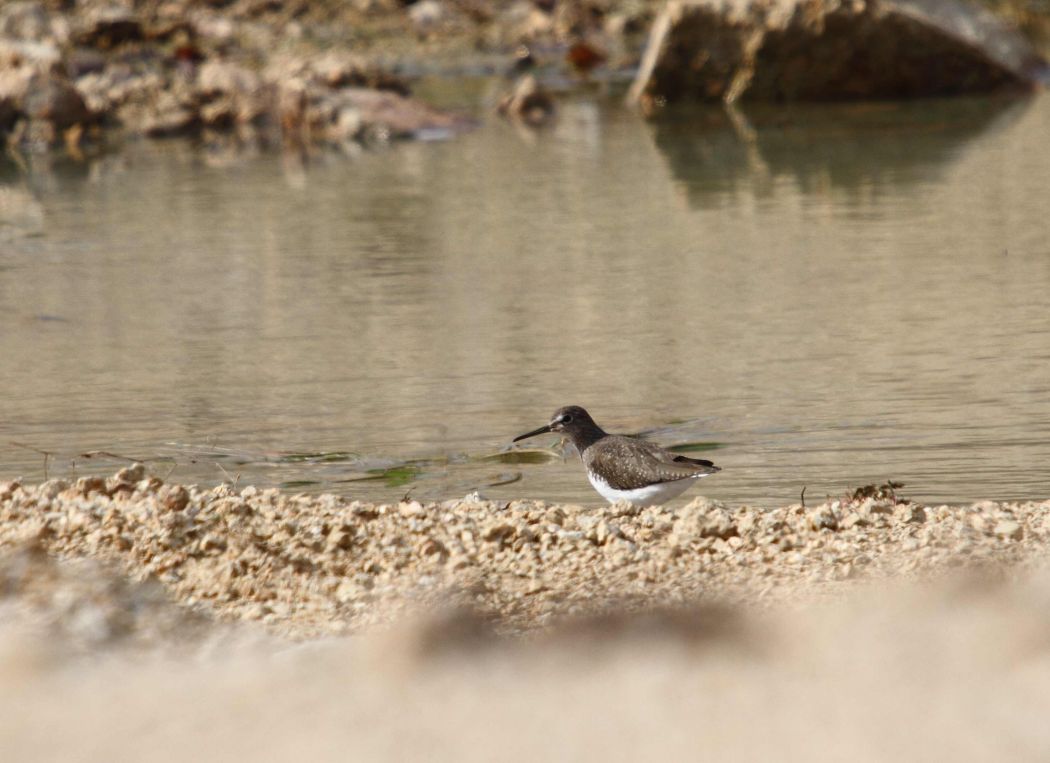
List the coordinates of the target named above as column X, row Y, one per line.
column 833, row 296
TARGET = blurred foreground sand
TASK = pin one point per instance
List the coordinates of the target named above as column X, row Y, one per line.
column 944, row 656
column 956, row 673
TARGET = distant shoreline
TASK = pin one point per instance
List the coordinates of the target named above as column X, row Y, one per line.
column 302, row 75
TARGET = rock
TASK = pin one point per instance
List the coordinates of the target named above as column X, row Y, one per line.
column 230, row 95
column 851, row 520
column 432, row 547
column 703, row 518
column 348, row 124
column 584, row 56
column 823, row 518
column 131, row 474
column 605, row 531
column 165, row 115
column 333, row 69
column 431, row 16
column 8, row 489
column 586, row 522
column 223, row 78
column 874, row 506
column 291, row 110
column 85, row 486
column 709, row 50
column 83, row 61
column 701, row 505
column 107, row 90
column 107, row 27
column 14, row 84
column 915, row 515
column 746, row 521
column 52, row 488
column 126, row 479
column 25, row 21
column 520, row 21
column 8, row 113
column 149, row 485
column 410, row 508
column 338, row 539
column 173, row 497
column 623, row 509
column 30, row 57
column 500, row 533
column 51, row 98
column 528, row 103
column 1008, row 528
column 717, row 524
column 384, row 114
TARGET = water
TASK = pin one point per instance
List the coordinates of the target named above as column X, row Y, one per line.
column 831, row 296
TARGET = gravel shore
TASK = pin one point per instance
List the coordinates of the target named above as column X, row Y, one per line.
column 144, row 621
column 312, row 565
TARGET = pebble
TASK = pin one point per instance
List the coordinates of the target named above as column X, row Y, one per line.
column 1007, row 528
column 824, row 518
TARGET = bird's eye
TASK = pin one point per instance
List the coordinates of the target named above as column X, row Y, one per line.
column 566, row 419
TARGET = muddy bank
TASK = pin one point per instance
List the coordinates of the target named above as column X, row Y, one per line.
column 310, row 565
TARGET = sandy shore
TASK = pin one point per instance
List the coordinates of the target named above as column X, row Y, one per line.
column 148, row 621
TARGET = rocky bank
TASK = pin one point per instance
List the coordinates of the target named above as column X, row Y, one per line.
column 826, row 50
column 293, row 72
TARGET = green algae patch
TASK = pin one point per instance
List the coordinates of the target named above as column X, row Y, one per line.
column 394, row 476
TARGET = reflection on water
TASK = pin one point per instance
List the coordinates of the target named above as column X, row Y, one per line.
column 854, row 148
column 835, row 296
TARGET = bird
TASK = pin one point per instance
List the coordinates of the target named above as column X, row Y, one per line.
column 624, row 468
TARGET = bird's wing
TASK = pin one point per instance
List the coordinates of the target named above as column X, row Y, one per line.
column 697, row 461
column 631, row 463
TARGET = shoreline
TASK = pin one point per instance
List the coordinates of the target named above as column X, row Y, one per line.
column 311, row 565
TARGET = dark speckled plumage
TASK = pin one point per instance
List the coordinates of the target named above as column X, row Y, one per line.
column 628, row 464
column 625, row 463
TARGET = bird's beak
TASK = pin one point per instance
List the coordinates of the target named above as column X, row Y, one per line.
column 533, row 433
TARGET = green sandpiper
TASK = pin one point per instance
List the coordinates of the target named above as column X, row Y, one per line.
column 624, row 468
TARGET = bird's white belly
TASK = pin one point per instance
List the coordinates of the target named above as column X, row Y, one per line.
column 650, row 495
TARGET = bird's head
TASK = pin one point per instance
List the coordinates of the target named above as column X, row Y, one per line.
column 570, row 419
